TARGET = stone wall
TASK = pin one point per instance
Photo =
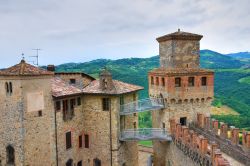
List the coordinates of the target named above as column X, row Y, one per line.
column 27, row 132
column 179, row 53
column 226, row 137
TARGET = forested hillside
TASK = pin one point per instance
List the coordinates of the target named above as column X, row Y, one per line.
column 232, row 78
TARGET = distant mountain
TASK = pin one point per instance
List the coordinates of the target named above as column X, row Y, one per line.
column 229, row 70
column 244, row 55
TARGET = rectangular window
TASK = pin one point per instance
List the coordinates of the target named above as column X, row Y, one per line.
column 157, row 80
column 190, row 81
column 68, row 140
column 65, row 107
column 72, row 104
column 79, row 102
column 40, row 113
column 183, row 121
column 121, row 100
column 163, row 81
column 134, row 97
column 72, row 81
column 58, row 105
column 152, row 80
column 86, row 141
column 106, row 104
column 204, row 81
column 80, row 141
column 178, row 82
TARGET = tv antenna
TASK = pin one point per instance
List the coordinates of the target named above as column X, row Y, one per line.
column 36, row 56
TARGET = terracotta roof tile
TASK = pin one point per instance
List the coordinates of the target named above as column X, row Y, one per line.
column 24, row 69
column 179, row 35
column 60, row 88
column 119, row 88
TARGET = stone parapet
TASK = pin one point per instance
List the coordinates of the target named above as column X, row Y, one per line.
column 227, row 138
column 196, row 146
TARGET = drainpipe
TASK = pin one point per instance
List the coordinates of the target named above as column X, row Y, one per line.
column 110, row 134
column 56, row 139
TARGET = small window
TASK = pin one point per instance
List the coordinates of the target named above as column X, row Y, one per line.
column 10, row 151
column 183, row 121
column 10, row 87
column 97, row 162
column 79, row 102
column 72, row 81
column 79, row 163
column 7, row 88
column 86, row 141
column 163, row 125
column 152, row 80
column 204, row 81
column 190, row 81
column 69, row 162
column 163, row 81
column 68, row 140
column 72, row 104
column 65, row 107
column 121, row 100
column 40, row 113
column 106, row 104
column 80, row 141
column 135, row 126
column 178, row 82
column 58, row 105
column 157, row 80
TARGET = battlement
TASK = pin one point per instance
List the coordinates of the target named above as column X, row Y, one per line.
column 227, row 137
column 196, row 146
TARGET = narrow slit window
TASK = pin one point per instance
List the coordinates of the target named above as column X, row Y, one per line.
column 178, row 82
column 68, row 140
column 80, row 141
column 163, row 81
column 190, row 81
column 86, row 141
column 152, row 80
column 204, row 81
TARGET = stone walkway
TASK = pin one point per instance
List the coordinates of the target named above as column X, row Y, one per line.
column 144, row 153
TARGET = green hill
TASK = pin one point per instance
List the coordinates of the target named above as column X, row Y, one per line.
column 228, row 89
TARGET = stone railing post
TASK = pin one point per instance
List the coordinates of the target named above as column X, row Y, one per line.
column 215, row 125
column 234, row 135
column 185, row 132
column 207, row 123
column 224, row 130
column 204, row 145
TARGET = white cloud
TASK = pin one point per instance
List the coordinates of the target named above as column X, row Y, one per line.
column 81, row 30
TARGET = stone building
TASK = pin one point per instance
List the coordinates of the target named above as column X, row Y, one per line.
column 185, row 87
column 49, row 118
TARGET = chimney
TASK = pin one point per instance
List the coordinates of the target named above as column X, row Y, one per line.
column 106, row 82
column 51, row 68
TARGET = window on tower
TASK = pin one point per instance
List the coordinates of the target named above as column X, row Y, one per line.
column 204, row 81
column 157, row 80
column 178, row 82
column 163, row 81
column 152, row 80
column 190, row 81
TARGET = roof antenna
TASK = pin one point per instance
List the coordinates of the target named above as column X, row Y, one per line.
column 23, row 58
column 36, row 56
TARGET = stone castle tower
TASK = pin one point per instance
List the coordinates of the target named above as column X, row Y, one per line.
column 186, row 88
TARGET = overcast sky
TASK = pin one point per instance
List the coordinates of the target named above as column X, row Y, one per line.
column 83, row 30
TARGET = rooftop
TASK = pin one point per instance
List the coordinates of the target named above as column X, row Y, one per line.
column 60, row 88
column 24, row 69
column 119, row 88
column 179, row 35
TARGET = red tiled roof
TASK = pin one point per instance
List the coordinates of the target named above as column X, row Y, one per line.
column 24, row 69
column 119, row 88
column 60, row 88
column 176, row 71
column 179, row 35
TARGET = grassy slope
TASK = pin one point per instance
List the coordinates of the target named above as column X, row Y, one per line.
column 228, row 90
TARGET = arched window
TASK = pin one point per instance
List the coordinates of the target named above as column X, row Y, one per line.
column 7, row 87
column 10, row 87
column 69, row 162
column 10, row 151
column 97, row 162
